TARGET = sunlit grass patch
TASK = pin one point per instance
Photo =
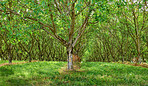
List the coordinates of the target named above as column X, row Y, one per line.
column 6, row 61
column 54, row 73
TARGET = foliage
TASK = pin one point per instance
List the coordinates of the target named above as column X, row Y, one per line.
column 42, row 29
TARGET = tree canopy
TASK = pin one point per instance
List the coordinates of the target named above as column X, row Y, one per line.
column 96, row 30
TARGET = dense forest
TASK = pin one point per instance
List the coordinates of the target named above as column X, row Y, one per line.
column 53, row 30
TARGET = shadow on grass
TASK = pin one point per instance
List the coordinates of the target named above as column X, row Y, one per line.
column 8, row 80
column 5, row 71
column 18, row 82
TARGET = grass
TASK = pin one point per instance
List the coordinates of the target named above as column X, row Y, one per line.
column 94, row 73
column 6, row 61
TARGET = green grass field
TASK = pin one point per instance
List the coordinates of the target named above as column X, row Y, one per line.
column 6, row 61
column 94, row 73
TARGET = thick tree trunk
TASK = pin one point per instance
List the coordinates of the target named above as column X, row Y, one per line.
column 70, row 58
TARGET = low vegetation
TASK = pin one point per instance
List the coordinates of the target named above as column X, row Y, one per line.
column 6, row 61
column 91, row 73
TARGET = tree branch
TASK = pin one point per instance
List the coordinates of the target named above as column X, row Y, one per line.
column 83, row 9
column 57, row 6
column 83, row 27
column 44, row 25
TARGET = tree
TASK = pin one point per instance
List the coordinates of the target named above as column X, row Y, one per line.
column 135, row 22
column 65, row 20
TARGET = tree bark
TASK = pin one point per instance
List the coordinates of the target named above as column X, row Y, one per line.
column 29, row 57
column 10, row 54
column 70, row 58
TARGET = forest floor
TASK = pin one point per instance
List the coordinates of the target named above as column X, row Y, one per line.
column 143, row 64
column 126, row 62
column 51, row 73
column 3, row 63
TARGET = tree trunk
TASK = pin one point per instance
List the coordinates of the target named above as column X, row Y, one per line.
column 70, row 58
column 10, row 57
column 122, row 59
column 29, row 57
column 108, row 58
column 10, row 54
column 138, row 48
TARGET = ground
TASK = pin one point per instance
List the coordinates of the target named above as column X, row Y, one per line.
column 91, row 73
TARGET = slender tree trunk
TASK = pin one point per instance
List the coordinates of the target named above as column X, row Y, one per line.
column 29, row 57
column 122, row 59
column 10, row 54
column 138, row 50
column 10, row 57
column 10, row 19
column 107, row 58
